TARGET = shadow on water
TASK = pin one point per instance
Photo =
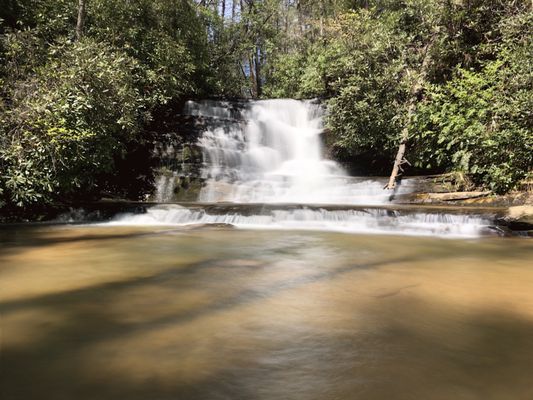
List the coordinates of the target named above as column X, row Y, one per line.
column 28, row 236
column 104, row 293
column 310, row 333
column 485, row 355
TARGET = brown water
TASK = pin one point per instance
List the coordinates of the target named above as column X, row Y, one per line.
column 149, row 313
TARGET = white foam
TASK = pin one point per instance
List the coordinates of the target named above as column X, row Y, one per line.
column 276, row 156
column 373, row 221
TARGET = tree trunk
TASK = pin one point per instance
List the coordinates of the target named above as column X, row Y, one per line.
column 300, row 17
column 80, row 25
column 322, row 17
column 253, row 81
column 258, row 60
column 418, row 84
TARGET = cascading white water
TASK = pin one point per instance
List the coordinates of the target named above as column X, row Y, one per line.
column 276, row 156
column 366, row 220
column 165, row 185
column 269, row 152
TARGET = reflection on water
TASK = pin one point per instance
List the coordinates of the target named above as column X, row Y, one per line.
column 154, row 313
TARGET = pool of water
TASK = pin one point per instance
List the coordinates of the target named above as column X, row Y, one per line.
column 129, row 312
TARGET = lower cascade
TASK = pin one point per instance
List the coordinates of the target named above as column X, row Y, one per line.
column 266, row 159
column 363, row 220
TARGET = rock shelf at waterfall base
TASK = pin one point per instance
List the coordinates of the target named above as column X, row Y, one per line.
column 442, row 221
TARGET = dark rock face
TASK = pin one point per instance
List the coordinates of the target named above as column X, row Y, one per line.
column 177, row 164
column 177, row 157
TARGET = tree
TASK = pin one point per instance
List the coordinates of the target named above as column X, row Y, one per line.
column 414, row 97
column 81, row 19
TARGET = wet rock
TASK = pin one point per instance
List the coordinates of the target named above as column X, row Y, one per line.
column 218, row 226
column 435, row 198
column 522, row 213
column 519, row 218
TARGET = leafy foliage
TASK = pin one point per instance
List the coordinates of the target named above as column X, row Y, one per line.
column 67, row 122
column 480, row 122
column 69, row 109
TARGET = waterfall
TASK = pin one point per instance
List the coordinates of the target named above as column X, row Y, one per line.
column 275, row 155
column 264, row 167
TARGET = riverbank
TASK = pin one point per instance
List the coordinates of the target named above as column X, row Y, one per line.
column 438, row 195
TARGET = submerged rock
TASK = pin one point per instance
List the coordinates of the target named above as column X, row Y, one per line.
column 519, row 218
column 214, row 226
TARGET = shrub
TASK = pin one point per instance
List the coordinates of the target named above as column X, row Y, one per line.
column 67, row 121
column 480, row 122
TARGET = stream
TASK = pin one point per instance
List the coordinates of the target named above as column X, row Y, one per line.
column 98, row 312
column 286, row 279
